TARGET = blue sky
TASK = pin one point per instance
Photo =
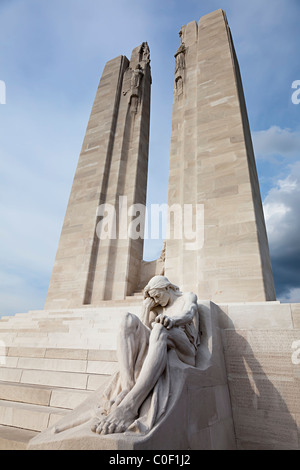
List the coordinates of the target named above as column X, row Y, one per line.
column 51, row 58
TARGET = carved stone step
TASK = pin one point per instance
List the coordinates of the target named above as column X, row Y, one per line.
column 63, row 353
column 67, row 398
column 28, row 416
column 95, row 362
column 50, row 362
column 12, row 438
column 53, row 378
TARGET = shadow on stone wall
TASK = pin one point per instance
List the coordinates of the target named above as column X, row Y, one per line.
column 263, row 389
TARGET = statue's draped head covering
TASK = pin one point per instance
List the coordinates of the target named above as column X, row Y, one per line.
column 159, row 282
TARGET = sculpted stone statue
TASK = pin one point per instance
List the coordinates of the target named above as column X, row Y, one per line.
column 180, row 55
column 145, row 52
column 168, row 321
column 137, row 395
column 180, row 59
column 135, row 83
column 136, row 78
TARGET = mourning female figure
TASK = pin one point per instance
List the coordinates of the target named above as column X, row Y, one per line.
column 169, row 320
column 137, row 395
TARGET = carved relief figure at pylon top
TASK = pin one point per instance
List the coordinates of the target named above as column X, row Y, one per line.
column 135, row 83
column 180, row 54
column 180, row 65
column 136, row 77
column 145, row 52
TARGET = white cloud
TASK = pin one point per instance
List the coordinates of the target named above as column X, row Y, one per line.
column 282, row 210
column 276, row 141
column 275, row 213
column 291, row 295
column 282, row 214
column 288, row 185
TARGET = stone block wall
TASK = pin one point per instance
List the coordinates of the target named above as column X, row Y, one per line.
column 262, row 352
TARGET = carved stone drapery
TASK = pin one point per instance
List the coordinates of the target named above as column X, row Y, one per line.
column 180, row 66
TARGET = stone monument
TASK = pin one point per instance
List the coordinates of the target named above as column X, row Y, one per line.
column 206, row 358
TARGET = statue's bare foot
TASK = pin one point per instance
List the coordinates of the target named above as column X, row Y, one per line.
column 117, row 421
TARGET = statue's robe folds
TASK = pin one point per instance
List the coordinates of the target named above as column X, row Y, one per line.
column 156, row 403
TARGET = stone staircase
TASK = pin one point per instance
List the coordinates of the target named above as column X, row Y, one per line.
column 50, row 361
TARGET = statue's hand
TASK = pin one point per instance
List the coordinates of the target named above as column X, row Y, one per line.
column 149, row 303
column 165, row 321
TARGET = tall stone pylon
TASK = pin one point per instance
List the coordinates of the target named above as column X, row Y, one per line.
column 212, row 165
column 94, row 264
